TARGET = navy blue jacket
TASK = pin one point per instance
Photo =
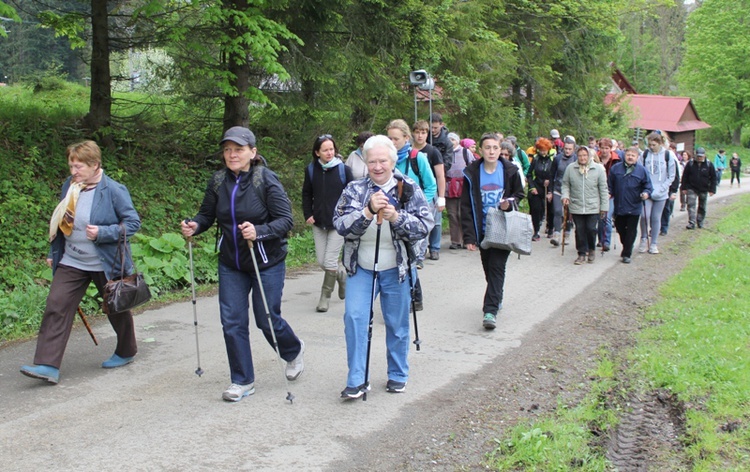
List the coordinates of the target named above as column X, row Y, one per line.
column 626, row 189
column 256, row 196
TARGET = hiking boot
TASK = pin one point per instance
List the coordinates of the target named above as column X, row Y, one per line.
column 420, row 265
column 237, row 392
column 42, row 372
column 434, row 255
column 591, row 257
column 489, row 321
column 662, row 233
column 555, row 241
column 643, row 247
column 626, row 260
column 653, row 249
column 295, row 367
column 605, row 248
column 580, row 260
column 700, row 224
column 116, row 361
column 690, row 226
column 351, row 393
column 536, row 237
column 454, row 246
column 394, row 386
column 682, row 208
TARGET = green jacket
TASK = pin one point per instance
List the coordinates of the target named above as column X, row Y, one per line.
column 588, row 194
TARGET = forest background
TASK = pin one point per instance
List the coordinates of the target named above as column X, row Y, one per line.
column 157, row 81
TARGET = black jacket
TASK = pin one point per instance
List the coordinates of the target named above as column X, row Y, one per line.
column 699, row 177
column 472, row 216
column 319, row 196
column 256, row 196
column 541, row 169
column 444, row 145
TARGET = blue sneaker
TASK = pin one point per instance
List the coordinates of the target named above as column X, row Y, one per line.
column 43, row 372
column 116, row 361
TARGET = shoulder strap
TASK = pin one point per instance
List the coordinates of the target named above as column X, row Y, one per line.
column 310, row 172
column 259, row 182
column 414, row 164
column 218, row 179
column 466, row 157
column 342, row 173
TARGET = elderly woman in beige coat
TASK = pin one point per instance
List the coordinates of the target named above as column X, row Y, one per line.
column 585, row 193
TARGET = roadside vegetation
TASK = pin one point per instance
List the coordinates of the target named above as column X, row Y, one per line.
column 693, row 350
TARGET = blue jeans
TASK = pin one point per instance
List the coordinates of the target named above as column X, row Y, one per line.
column 605, row 225
column 234, row 288
column 437, row 231
column 394, row 303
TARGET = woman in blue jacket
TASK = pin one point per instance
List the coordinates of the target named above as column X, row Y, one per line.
column 84, row 231
column 252, row 209
column 629, row 186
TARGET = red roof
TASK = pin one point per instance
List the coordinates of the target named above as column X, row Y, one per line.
column 671, row 114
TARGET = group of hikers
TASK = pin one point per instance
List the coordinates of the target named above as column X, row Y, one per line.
column 375, row 217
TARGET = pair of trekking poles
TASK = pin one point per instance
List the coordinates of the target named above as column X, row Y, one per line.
column 199, row 371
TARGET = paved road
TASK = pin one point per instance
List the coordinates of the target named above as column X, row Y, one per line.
column 156, row 414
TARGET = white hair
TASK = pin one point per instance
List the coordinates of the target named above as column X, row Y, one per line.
column 380, row 140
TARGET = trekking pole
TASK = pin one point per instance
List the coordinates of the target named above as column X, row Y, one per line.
column 372, row 303
column 289, row 395
column 198, row 371
column 564, row 228
column 417, row 341
column 544, row 212
column 86, row 324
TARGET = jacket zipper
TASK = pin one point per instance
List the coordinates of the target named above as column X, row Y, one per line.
column 234, row 222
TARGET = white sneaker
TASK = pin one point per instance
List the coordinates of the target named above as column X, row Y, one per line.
column 643, row 247
column 294, row 368
column 653, row 249
column 237, row 392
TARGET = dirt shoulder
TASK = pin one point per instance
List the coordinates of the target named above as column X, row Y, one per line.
column 456, row 427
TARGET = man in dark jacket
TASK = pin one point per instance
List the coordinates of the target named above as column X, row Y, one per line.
column 439, row 139
column 629, row 185
column 698, row 182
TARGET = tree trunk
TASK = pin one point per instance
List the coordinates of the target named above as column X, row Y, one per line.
column 236, row 105
column 100, row 102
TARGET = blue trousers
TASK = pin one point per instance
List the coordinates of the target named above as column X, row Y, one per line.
column 235, row 287
column 394, row 303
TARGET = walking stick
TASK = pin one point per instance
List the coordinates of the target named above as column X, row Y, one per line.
column 544, row 210
column 86, row 324
column 289, row 395
column 564, row 228
column 417, row 341
column 372, row 303
column 198, row 371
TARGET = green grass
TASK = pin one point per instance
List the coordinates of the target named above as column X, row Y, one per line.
column 696, row 346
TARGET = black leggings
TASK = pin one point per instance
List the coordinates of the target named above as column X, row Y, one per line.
column 735, row 173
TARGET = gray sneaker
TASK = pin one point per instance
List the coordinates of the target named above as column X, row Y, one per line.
column 490, row 321
column 237, row 392
column 643, row 247
column 295, row 367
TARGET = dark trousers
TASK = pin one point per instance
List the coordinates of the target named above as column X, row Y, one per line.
column 735, row 173
column 586, row 229
column 666, row 215
column 627, row 228
column 68, row 288
column 493, row 263
column 537, row 206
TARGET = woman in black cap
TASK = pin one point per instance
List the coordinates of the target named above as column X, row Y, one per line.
column 254, row 214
